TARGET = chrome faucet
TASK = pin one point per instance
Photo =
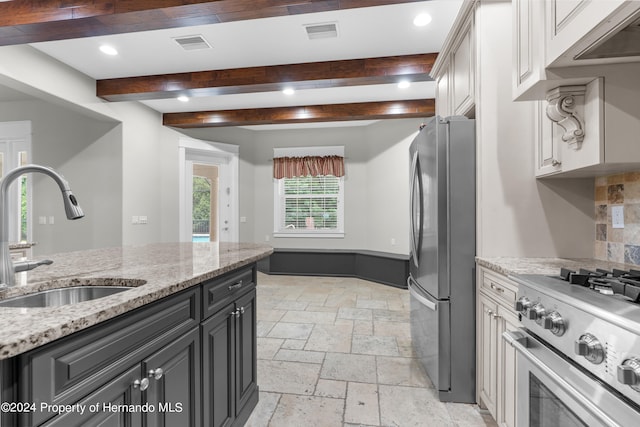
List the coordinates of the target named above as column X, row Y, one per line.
column 71, row 208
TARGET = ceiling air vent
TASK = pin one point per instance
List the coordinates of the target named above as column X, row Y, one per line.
column 322, row 31
column 192, row 42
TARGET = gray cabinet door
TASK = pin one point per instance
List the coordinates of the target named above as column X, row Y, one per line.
column 246, row 350
column 218, row 368
column 107, row 406
column 174, row 388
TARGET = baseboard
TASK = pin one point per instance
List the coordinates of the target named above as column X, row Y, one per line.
column 381, row 267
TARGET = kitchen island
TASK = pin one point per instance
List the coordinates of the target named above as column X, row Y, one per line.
column 178, row 347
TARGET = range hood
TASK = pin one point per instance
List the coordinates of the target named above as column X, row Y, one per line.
column 616, row 44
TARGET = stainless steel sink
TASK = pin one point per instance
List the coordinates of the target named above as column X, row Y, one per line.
column 67, row 295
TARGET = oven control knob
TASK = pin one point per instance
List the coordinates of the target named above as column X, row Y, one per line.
column 523, row 304
column 589, row 347
column 536, row 312
column 629, row 373
column 555, row 323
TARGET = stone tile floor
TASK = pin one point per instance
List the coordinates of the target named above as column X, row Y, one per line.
column 337, row 352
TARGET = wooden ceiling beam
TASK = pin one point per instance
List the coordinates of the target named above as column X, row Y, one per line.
column 30, row 21
column 304, row 114
column 313, row 75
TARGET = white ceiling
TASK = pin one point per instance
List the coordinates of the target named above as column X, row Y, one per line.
column 363, row 33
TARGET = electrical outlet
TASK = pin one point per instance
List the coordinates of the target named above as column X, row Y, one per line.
column 243, row 219
column 617, row 216
column 143, row 219
column 51, row 219
column 135, row 220
column 266, row 237
column 393, row 241
column 42, row 220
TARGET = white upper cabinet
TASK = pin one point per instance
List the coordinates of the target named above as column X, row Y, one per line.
column 455, row 67
column 589, row 130
column 462, row 68
column 551, row 38
column 442, row 94
column 574, row 26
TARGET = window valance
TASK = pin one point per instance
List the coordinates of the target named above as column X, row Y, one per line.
column 290, row 167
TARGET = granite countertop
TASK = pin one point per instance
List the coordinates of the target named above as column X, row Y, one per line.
column 167, row 268
column 547, row 266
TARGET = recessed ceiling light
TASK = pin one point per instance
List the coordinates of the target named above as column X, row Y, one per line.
column 289, row 91
column 183, row 98
column 404, row 84
column 422, row 20
column 108, row 50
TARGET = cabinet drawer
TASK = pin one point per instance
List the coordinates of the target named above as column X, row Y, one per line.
column 498, row 287
column 68, row 369
column 218, row 292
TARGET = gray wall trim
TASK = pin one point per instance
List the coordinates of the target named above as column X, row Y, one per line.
column 381, row 267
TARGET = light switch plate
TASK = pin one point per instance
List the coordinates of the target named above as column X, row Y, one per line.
column 617, row 216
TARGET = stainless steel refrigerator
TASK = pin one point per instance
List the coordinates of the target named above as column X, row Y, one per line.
column 442, row 259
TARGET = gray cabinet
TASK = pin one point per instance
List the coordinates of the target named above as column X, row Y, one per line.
column 119, row 391
column 230, row 390
column 163, row 364
column 174, row 389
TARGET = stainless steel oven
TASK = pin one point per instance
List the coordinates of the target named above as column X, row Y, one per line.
column 551, row 392
column 578, row 352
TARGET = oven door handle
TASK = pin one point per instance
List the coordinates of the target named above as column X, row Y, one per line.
column 519, row 341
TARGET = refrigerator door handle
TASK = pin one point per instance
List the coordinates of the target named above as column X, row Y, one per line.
column 425, row 300
column 412, row 236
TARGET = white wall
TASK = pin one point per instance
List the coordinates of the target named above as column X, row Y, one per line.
column 88, row 153
column 517, row 214
column 376, row 204
column 388, row 184
column 147, row 170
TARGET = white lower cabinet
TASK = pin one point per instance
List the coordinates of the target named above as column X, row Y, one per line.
column 496, row 366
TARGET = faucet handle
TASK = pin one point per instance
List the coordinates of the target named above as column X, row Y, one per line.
column 30, row 265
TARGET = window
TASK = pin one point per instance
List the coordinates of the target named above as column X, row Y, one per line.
column 309, row 206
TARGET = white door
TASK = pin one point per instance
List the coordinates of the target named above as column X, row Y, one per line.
column 15, row 151
column 209, row 197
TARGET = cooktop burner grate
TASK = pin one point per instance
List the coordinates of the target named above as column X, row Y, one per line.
column 614, row 282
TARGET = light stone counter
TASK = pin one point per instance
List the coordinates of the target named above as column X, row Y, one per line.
column 167, row 268
column 547, row 266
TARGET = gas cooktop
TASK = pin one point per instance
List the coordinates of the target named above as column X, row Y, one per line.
column 625, row 283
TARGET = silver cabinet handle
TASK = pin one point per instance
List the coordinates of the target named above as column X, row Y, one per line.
column 555, row 162
column 156, row 373
column 236, row 286
column 142, row 384
column 496, row 288
column 236, row 313
column 241, row 310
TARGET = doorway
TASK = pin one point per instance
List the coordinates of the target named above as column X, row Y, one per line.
column 15, row 151
column 208, row 191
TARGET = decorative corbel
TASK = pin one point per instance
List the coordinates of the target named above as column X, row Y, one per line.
column 561, row 109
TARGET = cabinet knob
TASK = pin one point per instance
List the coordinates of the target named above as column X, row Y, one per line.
column 156, row 373
column 555, row 162
column 241, row 310
column 236, row 313
column 142, row 384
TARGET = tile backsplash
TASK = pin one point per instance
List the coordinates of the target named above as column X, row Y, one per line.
column 618, row 244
